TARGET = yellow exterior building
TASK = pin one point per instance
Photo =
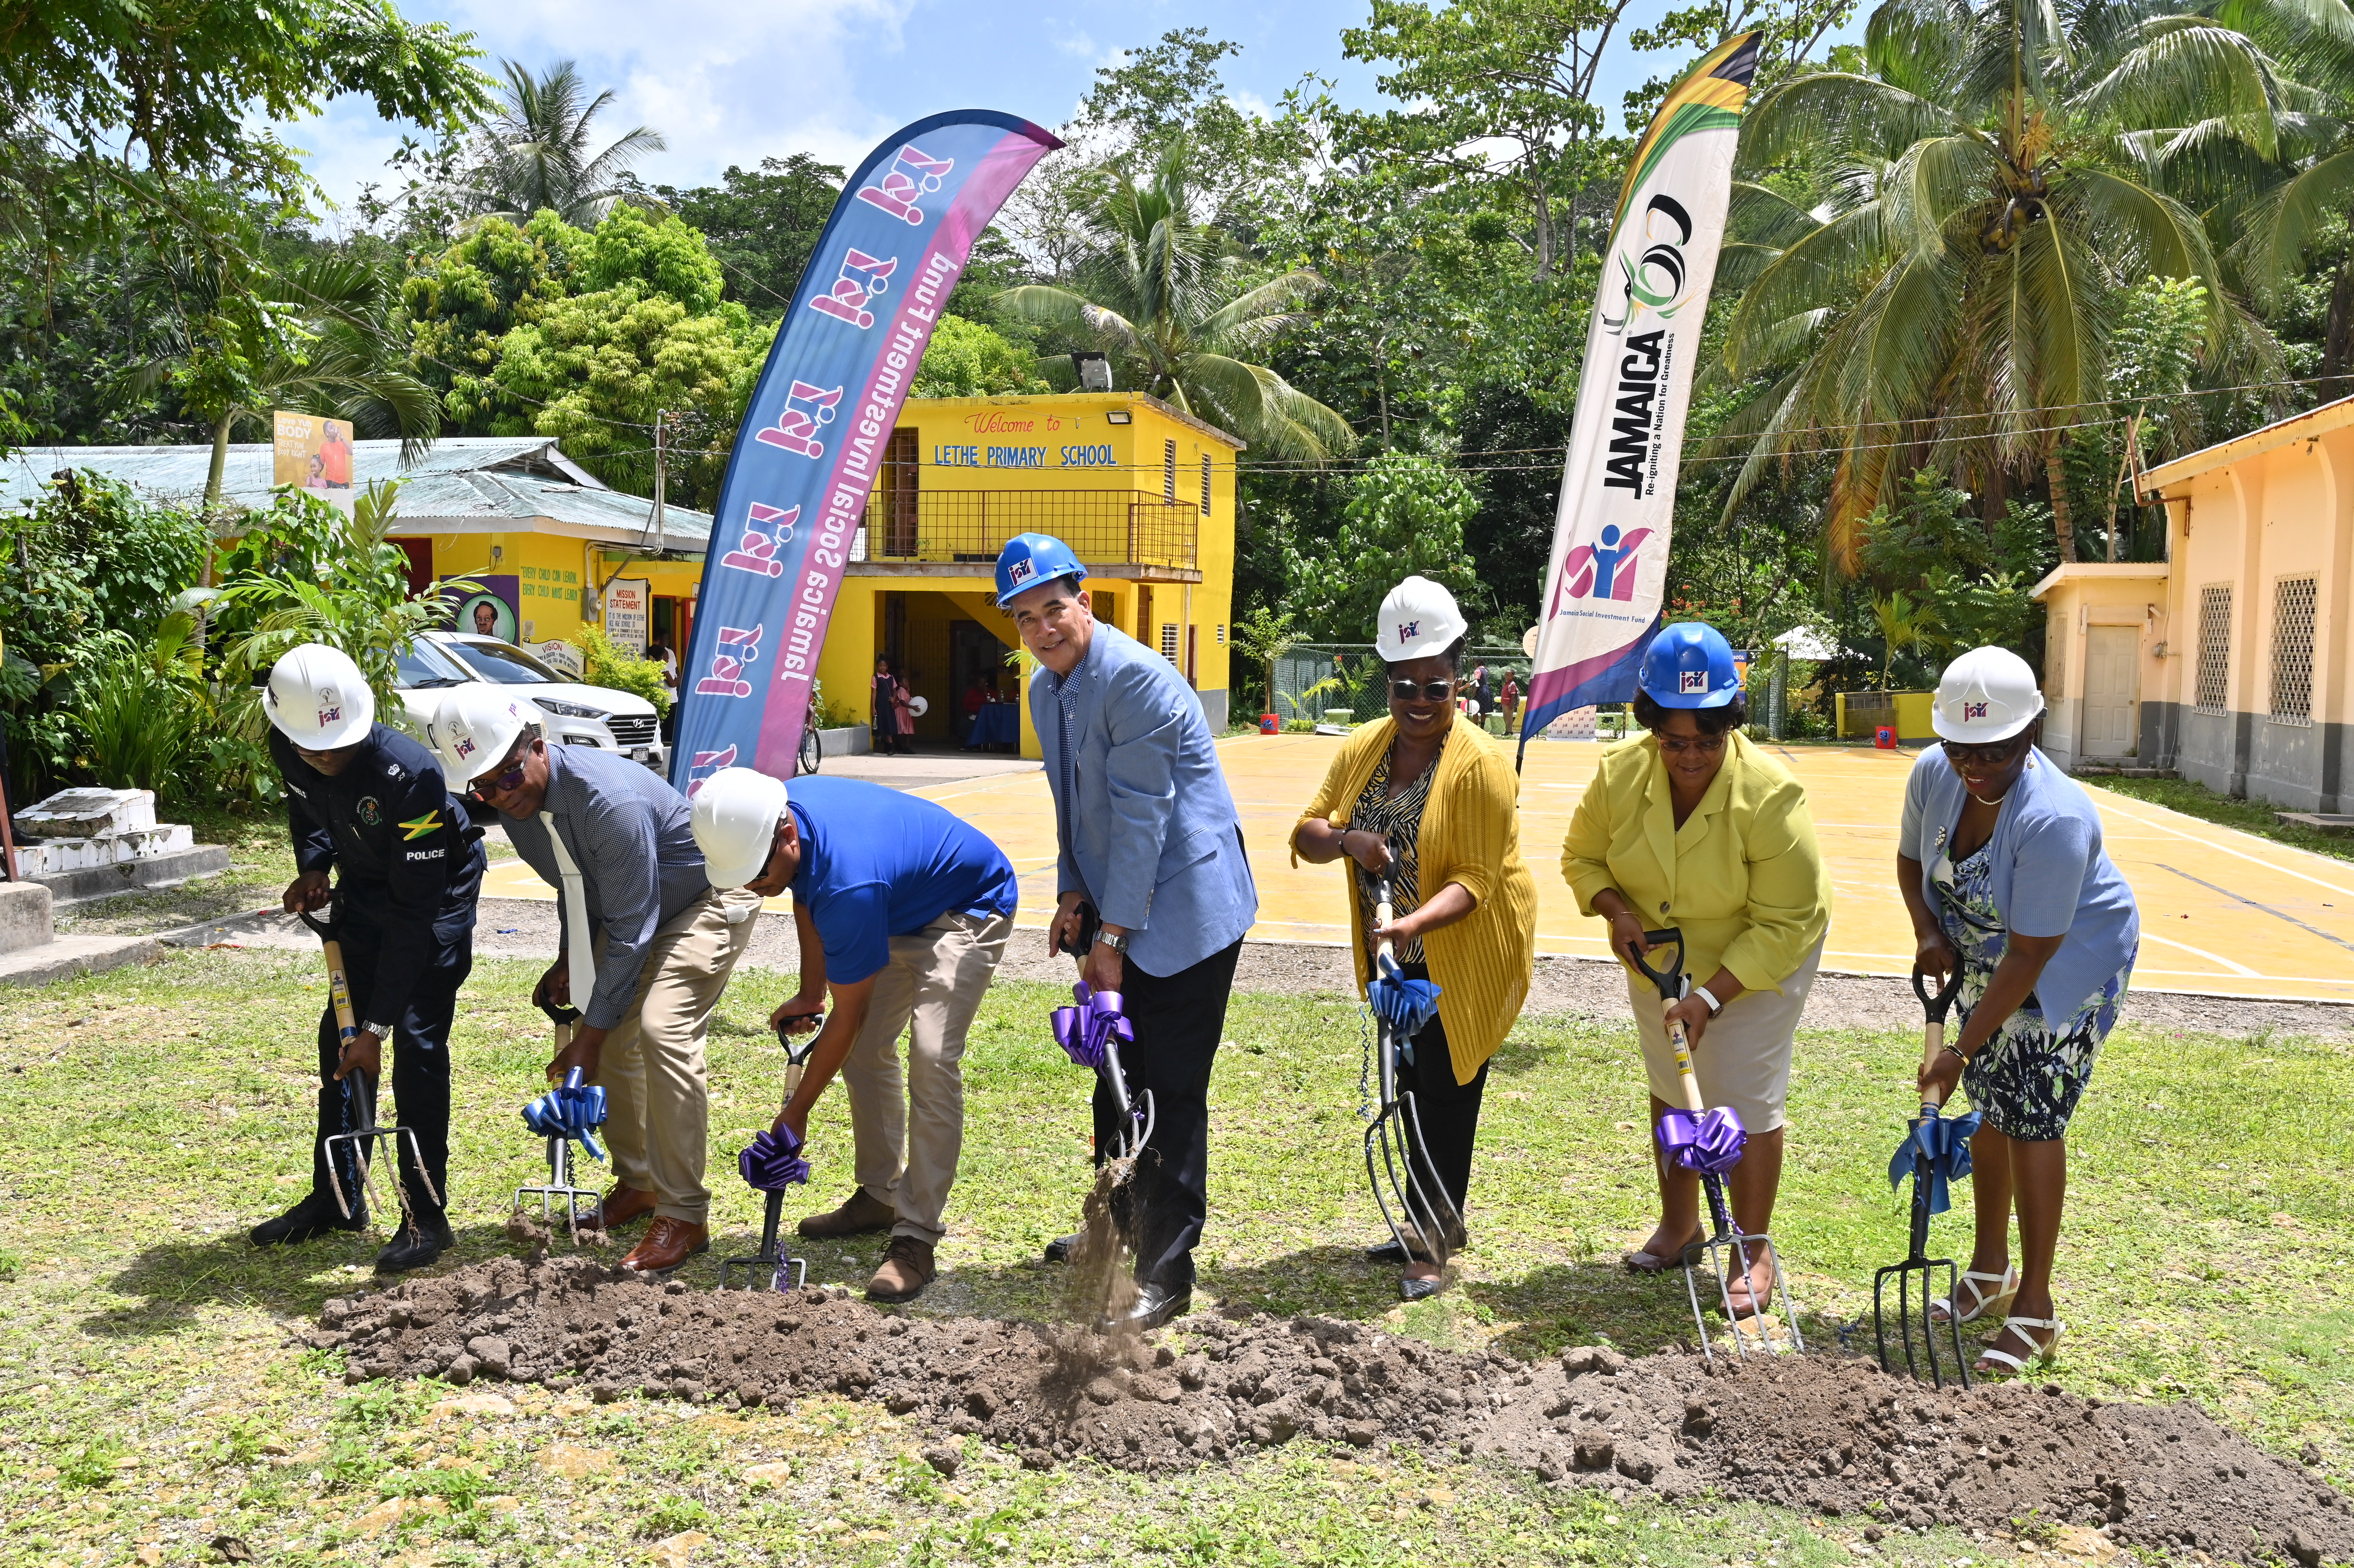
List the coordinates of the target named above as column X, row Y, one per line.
column 1143, row 494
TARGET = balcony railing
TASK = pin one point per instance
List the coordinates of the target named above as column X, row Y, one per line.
column 1105, row 527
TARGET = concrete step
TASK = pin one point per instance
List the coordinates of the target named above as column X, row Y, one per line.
column 25, row 920
column 69, row 955
column 161, row 870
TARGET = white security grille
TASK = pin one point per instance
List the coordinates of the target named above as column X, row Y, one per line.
column 1168, row 641
column 2214, row 647
column 1206, row 484
column 2293, row 603
column 1169, row 472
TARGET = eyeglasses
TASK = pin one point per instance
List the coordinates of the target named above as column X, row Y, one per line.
column 1429, row 691
column 1706, row 744
column 510, row 778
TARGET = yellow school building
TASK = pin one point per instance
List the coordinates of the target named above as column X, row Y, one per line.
column 1143, row 494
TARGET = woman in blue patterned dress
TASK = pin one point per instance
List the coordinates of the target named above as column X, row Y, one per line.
column 2001, row 863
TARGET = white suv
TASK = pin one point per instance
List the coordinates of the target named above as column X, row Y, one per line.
column 576, row 714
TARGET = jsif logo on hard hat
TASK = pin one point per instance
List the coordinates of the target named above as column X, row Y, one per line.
column 330, row 715
column 1691, row 682
column 1021, row 571
column 1973, row 710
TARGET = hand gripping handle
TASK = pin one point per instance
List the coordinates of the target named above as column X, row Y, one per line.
column 1671, row 980
column 1933, row 1034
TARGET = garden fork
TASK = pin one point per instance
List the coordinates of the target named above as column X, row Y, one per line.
column 361, row 1129
column 779, row 1265
column 1422, row 1217
column 1935, row 1151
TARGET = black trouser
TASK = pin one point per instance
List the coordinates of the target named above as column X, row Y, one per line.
column 1447, row 1112
column 420, row 1050
column 1178, row 1021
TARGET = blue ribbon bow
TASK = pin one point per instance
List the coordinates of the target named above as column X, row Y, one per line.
column 1946, row 1142
column 1081, row 1031
column 1405, row 1005
column 574, row 1111
column 1709, row 1144
column 773, row 1162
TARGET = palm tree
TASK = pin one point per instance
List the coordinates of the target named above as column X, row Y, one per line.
column 1944, row 298
column 1170, row 299
column 535, row 153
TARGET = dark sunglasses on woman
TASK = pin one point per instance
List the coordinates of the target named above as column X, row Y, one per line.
column 1429, row 691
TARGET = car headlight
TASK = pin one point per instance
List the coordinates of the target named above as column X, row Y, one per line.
column 568, row 710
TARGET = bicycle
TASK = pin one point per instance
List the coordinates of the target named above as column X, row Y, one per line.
column 813, row 747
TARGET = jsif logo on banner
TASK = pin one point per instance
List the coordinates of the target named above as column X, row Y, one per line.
column 812, row 441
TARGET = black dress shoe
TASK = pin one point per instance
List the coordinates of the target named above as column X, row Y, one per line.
column 1060, row 1249
column 1389, row 1252
column 420, row 1244
column 313, row 1217
column 1412, row 1289
column 1154, row 1305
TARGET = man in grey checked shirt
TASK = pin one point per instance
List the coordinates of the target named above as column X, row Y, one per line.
column 647, row 949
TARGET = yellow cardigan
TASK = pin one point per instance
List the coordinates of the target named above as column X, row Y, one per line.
column 1470, row 833
column 1742, row 877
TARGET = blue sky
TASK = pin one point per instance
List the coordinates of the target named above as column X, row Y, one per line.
column 731, row 83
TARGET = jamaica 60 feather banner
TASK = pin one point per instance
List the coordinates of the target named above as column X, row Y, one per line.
column 813, row 438
column 1609, row 563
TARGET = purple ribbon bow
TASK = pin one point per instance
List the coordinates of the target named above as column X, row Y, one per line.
column 1081, row 1031
column 1710, row 1144
column 774, row 1161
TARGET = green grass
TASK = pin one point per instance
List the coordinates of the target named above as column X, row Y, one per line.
column 2249, row 816
column 153, row 1393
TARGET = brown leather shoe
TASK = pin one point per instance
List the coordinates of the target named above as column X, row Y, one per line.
column 907, row 1268
column 621, row 1205
column 668, row 1242
column 858, row 1215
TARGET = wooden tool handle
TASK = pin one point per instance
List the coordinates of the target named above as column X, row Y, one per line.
column 339, row 992
column 1681, row 1046
column 1383, row 951
column 1933, row 1098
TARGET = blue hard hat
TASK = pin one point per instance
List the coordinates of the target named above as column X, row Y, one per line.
column 1029, row 559
column 1689, row 665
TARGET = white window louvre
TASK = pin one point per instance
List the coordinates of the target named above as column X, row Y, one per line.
column 1169, row 641
column 1206, row 484
column 2214, row 647
column 2292, row 605
column 1169, row 472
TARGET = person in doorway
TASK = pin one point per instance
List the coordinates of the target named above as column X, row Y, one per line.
column 368, row 805
column 647, row 945
column 2001, row 863
column 1152, row 848
column 661, row 653
column 887, row 716
column 903, row 700
column 903, row 911
column 1510, row 699
column 1424, row 799
column 1696, row 828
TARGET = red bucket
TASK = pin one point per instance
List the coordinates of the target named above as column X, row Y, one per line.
column 1884, row 736
column 1269, row 725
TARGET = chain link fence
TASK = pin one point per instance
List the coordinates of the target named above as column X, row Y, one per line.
column 1317, row 680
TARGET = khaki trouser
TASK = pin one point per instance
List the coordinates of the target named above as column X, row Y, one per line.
column 909, row 1133
column 657, row 1093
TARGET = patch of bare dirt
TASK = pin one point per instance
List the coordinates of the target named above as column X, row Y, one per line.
column 1828, row 1434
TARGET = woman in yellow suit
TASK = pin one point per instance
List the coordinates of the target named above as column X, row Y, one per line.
column 1427, row 800
column 1696, row 828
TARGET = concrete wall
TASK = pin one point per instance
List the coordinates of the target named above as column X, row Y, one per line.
column 2078, row 599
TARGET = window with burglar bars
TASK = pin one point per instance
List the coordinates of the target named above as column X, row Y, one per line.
column 1168, row 471
column 1169, row 641
column 2293, row 603
column 2214, row 647
column 1206, row 484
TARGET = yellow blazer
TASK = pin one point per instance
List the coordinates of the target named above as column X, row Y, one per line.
column 1742, row 877
column 1470, row 833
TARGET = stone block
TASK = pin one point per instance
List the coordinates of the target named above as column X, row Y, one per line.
column 24, row 916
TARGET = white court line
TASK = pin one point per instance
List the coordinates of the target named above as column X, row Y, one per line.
column 2211, row 843
column 2211, row 958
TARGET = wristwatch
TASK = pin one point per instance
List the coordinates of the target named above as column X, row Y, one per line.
column 1708, row 996
column 1117, row 944
column 381, row 1031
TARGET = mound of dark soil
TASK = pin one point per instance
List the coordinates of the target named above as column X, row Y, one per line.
column 1828, row 1434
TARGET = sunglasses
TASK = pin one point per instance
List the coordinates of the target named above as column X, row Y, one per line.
column 1429, row 691
column 1987, row 755
column 510, row 778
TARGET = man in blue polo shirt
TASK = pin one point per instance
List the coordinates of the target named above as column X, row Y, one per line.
column 902, row 911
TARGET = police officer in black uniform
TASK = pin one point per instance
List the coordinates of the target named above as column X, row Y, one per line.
column 364, row 797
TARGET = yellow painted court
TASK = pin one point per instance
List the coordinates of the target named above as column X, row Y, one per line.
column 2222, row 911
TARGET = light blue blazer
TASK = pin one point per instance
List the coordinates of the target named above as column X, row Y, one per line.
column 1149, row 833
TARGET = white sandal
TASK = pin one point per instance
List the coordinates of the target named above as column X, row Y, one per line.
column 1982, row 1301
column 2041, row 1352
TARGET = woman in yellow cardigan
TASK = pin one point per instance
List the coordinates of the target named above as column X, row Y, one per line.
column 1696, row 828
column 1426, row 797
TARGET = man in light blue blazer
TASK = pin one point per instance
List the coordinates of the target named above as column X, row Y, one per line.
column 1151, row 845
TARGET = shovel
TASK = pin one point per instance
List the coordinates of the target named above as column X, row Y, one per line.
column 770, row 1165
column 1936, row 1151
column 361, row 1129
column 1708, row 1142
column 1414, row 1201
column 569, row 1114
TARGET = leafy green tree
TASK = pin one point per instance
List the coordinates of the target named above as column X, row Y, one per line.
column 967, row 359
column 1404, row 518
column 535, row 153
column 462, row 304
column 1263, row 636
column 1173, row 302
column 762, row 226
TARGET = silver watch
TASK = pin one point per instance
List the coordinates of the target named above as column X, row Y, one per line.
column 1117, row 944
column 381, row 1031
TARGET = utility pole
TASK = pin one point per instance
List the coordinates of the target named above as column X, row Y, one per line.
column 662, row 476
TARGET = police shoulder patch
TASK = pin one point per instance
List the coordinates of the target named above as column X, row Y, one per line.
column 418, row 827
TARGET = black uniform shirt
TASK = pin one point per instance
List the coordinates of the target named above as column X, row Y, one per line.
column 411, row 861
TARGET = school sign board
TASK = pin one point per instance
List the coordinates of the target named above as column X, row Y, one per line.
column 812, row 441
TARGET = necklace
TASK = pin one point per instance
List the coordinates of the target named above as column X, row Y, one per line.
column 1982, row 800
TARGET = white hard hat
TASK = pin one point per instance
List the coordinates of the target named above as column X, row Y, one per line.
column 735, row 824
column 1987, row 694
column 318, row 699
column 1419, row 618
column 474, row 728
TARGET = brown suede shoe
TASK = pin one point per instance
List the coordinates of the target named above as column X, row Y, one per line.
column 621, row 1205
column 858, row 1215
column 668, row 1243
column 907, row 1268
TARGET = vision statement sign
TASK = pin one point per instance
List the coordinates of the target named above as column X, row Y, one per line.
column 813, row 438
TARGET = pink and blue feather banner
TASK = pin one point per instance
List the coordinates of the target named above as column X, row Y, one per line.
column 814, row 435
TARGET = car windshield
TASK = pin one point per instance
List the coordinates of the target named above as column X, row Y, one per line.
column 504, row 664
column 424, row 667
